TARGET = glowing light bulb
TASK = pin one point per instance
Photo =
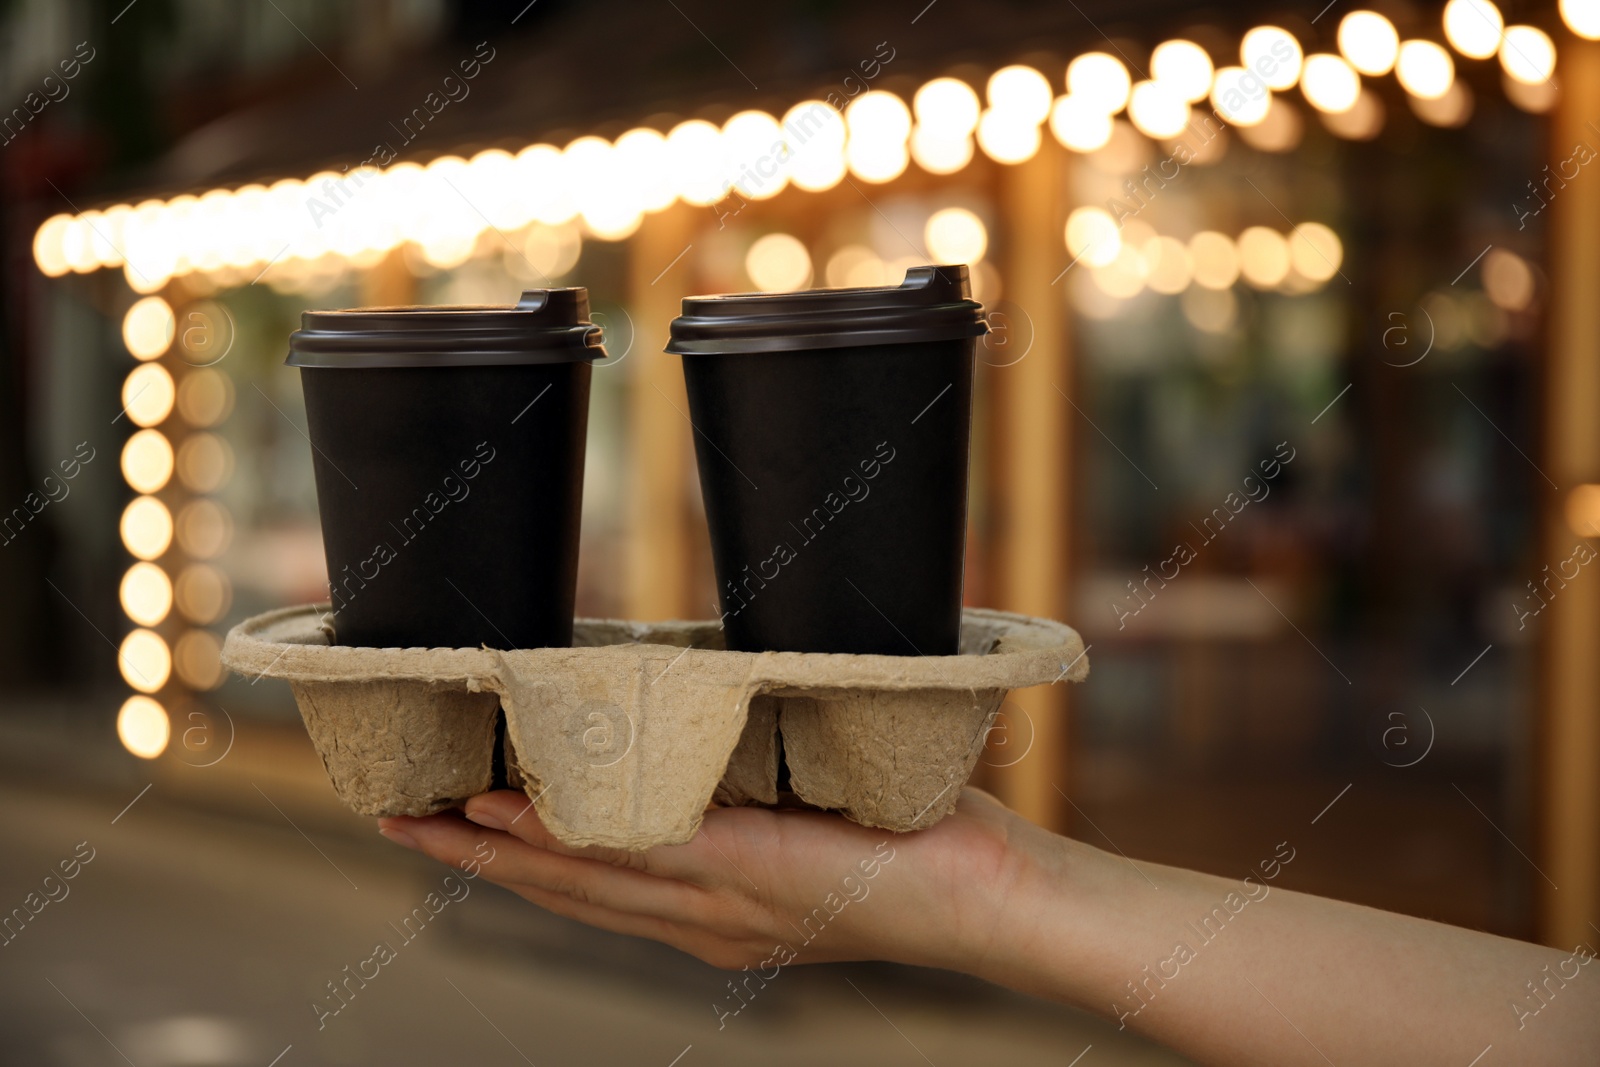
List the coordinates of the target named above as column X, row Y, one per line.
column 778, row 263
column 856, row 267
column 1006, row 139
column 145, row 594
column 607, row 200
column 1370, row 42
column 148, row 394
column 1100, row 81
column 1157, row 110
column 551, row 251
column 1169, row 268
column 1240, row 96
column 1425, row 69
column 879, row 125
column 147, row 461
column 955, row 235
column 148, row 327
column 1092, row 236
column 1330, row 83
column 77, row 245
column 143, row 727
column 145, row 661
column 1315, row 251
column 49, row 253
column 1079, row 125
column 938, row 154
column 876, row 163
column 1582, row 18
column 878, row 116
column 1473, row 27
column 694, row 152
column 1184, row 67
column 1508, row 280
column 757, row 155
column 815, row 133
column 1216, row 260
column 540, row 175
column 948, row 108
column 1273, row 54
column 641, row 155
column 1528, row 55
column 1020, row 93
column 146, row 528
column 1122, row 278
column 1263, row 257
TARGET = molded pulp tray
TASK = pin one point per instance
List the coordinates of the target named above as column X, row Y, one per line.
column 625, row 739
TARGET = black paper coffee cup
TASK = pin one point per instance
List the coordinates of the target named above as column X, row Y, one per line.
column 448, row 448
column 832, row 430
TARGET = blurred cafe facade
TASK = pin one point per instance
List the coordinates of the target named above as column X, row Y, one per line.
column 1289, row 402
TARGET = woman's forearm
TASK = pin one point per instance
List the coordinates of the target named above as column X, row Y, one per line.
column 1245, row 972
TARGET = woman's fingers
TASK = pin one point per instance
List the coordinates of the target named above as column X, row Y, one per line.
column 513, row 813
column 580, row 879
column 696, row 862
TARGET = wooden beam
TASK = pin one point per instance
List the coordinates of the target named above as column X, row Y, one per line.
column 1031, row 460
column 1569, row 724
column 389, row 283
column 660, row 539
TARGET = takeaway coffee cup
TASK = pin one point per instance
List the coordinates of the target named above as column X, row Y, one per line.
column 447, row 445
column 833, row 428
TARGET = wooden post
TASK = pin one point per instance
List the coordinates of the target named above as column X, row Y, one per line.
column 1569, row 726
column 389, row 283
column 1031, row 459
column 659, row 550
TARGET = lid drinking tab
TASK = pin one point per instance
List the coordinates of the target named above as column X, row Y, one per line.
column 544, row 326
column 934, row 303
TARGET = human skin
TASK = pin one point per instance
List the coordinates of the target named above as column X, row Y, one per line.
column 1289, row 979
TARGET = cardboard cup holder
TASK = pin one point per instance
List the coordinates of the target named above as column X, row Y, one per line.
column 625, row 739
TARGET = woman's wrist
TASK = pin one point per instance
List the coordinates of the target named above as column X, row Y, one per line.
column 1059, row 934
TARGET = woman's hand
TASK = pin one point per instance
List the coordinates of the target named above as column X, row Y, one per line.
column 760, row 887
column 1224, row 970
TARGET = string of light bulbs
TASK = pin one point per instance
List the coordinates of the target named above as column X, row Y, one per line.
column 359, row 215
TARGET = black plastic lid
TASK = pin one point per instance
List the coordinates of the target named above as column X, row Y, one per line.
column 545, row 326
column 932, row 304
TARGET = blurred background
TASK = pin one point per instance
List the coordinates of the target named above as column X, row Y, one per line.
column 1288, row 406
